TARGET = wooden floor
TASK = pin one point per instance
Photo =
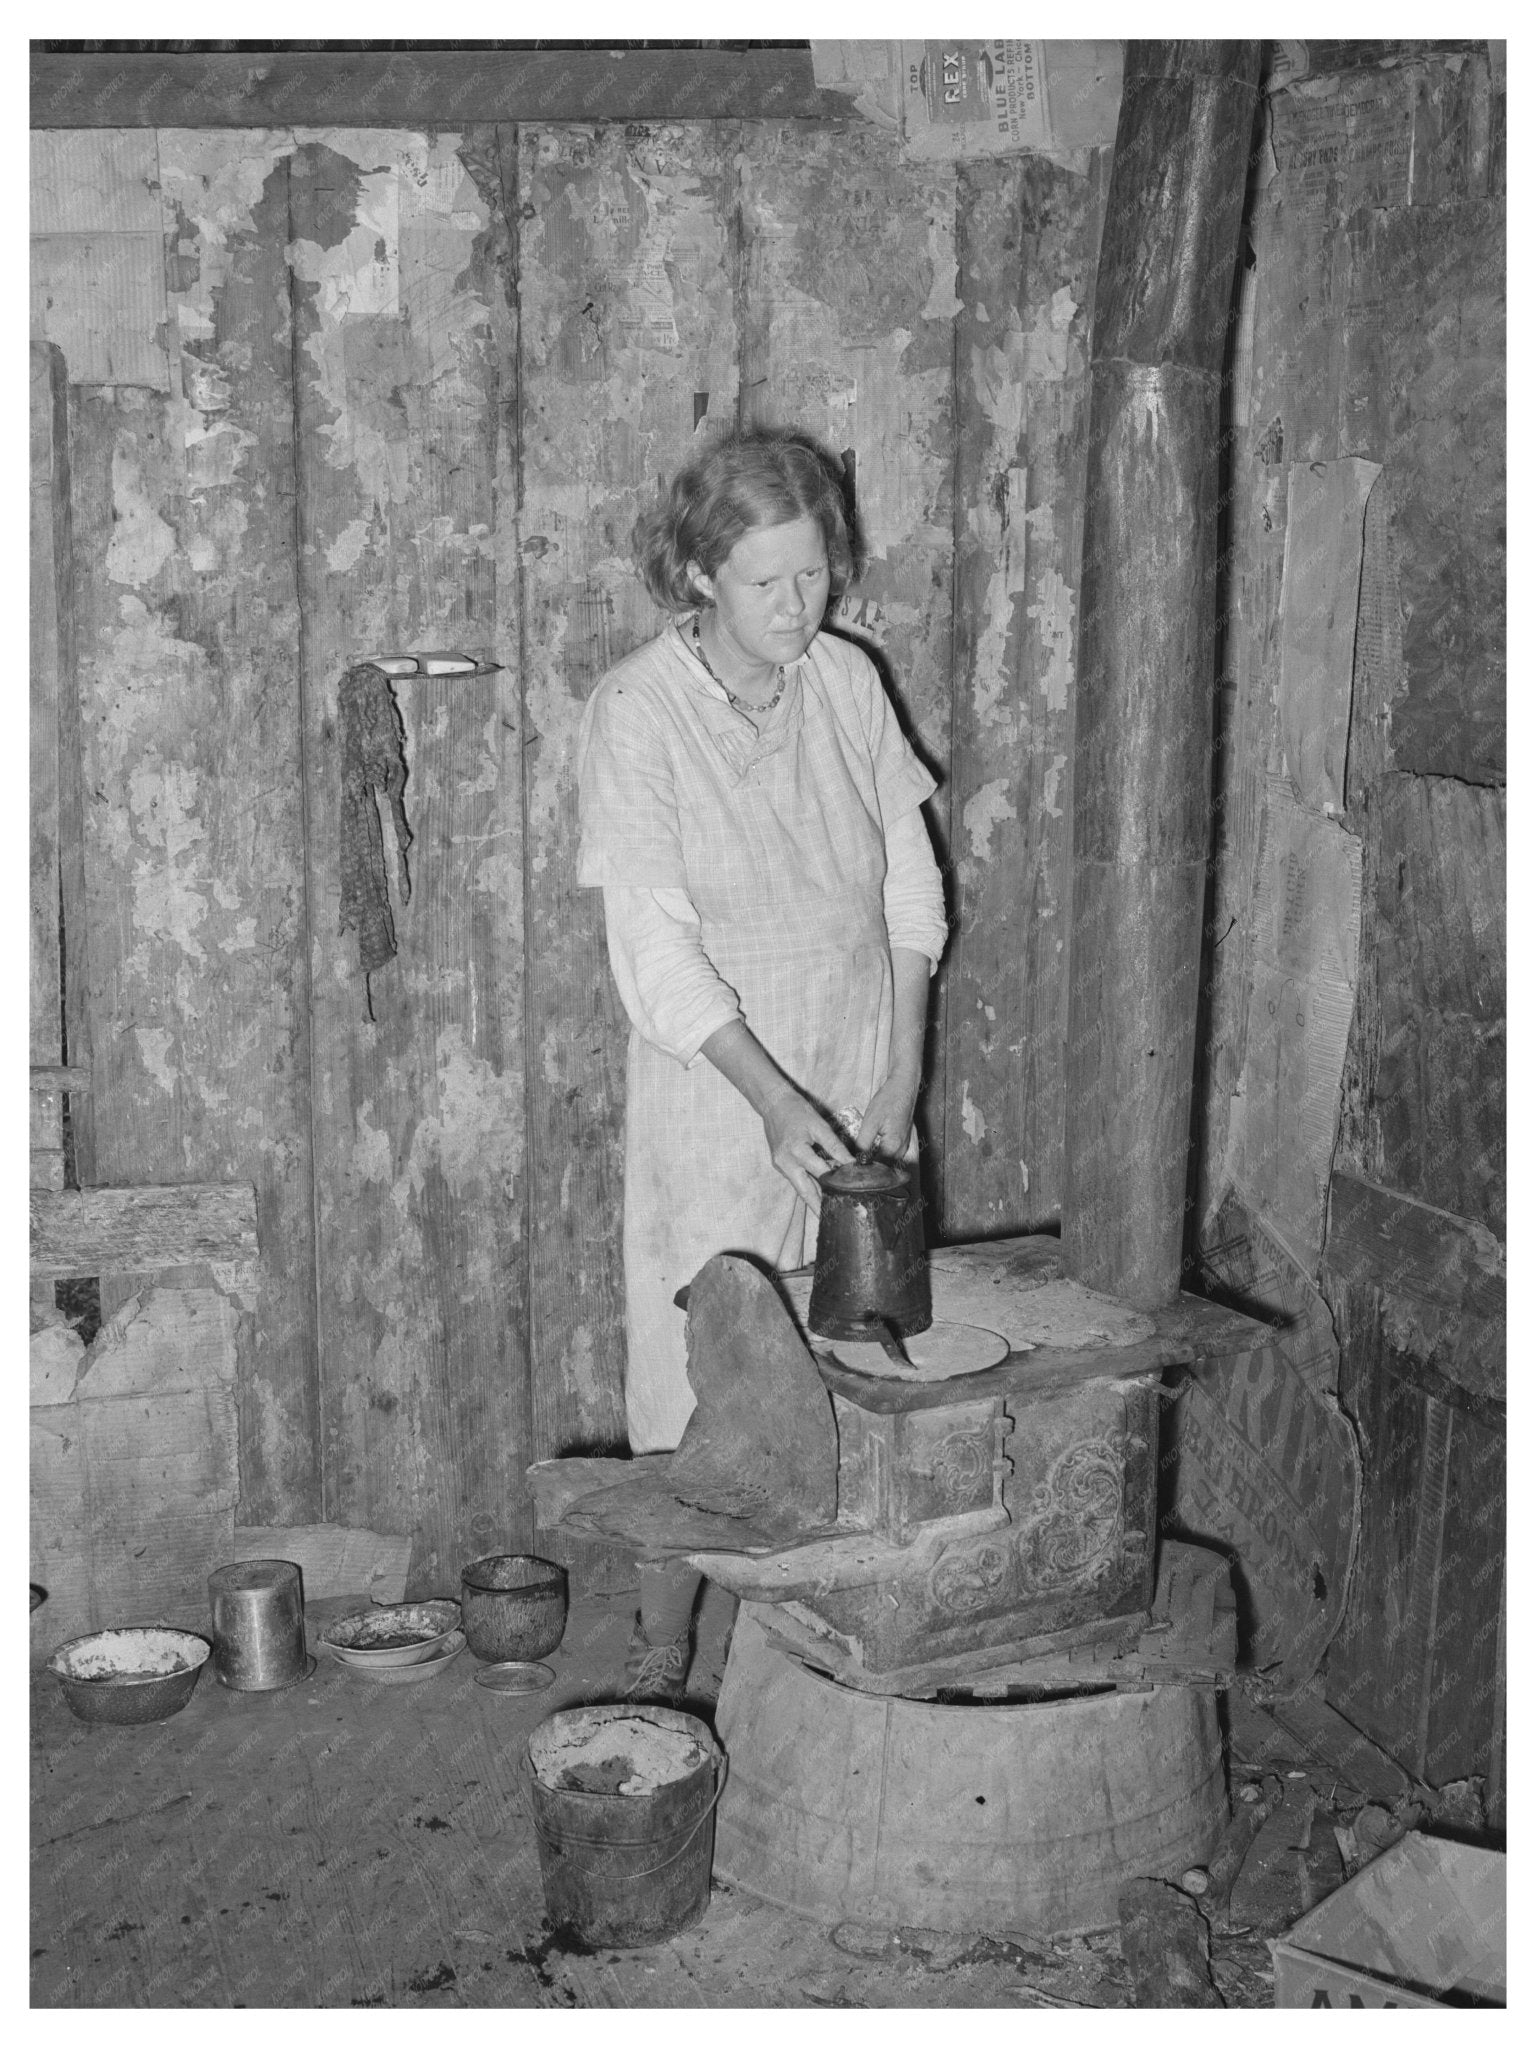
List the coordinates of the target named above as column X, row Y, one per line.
column 351, row 1844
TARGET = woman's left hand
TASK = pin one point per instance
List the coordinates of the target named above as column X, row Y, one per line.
column 887, row 1123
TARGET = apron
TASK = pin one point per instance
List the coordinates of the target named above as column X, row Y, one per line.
column 782, row 852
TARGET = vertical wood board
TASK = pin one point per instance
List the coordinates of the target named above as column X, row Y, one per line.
column 1029, row 240
column 48, row 479
column 849, row 291
column 628, row 349
column 1438, row 276
column 1438, row 1108
column 45, row 1035
column 1416, row 1665
column 404, row 358
column 188, row 632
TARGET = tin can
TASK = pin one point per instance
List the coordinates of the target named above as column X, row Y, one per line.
column 258, row 1624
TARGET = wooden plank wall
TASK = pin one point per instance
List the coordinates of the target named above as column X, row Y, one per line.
column 1373, row 328
column 627, row 305
column 47, row 498
column 336, row 391
column 404, row 359
column 1029, row 245
column 848, row 302
column 185, row 604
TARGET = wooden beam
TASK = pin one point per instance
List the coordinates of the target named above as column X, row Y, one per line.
column 48, row 1080
column 1142, row 759
column 424, row 88
column 80, row 1232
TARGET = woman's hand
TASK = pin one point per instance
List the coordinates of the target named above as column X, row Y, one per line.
column 798, row 1136
column 887, row 1124
column 801, row 1143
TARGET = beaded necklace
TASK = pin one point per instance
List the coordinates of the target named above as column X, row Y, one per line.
column 747, row 710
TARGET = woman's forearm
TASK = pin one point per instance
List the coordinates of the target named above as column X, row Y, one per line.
column 910, row 972
column 749, row 1068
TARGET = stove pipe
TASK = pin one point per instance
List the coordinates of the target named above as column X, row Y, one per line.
column 1142, row 764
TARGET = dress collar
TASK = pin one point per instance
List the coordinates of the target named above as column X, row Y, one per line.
column 740, row 744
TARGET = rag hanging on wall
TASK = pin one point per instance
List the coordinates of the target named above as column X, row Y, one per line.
column 372, row 761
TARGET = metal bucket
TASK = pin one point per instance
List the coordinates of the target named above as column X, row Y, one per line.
column 625, row 1869
column 871, row 1264
column 258, row 1624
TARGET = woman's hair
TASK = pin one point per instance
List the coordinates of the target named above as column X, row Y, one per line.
column 761, row 476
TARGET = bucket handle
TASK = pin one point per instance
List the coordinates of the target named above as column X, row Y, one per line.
column 525, row 1771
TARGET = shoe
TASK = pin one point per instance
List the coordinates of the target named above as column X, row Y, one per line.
column 655, row 1674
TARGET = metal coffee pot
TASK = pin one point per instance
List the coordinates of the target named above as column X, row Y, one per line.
column 871, row 1265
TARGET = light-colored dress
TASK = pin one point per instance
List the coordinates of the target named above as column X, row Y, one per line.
column 776, row 842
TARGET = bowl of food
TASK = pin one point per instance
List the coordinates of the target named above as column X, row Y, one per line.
column 514, row 1608
column 382, row 1638
column 127, row 1676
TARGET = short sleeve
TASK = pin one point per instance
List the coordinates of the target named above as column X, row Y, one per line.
column 901, row 780
column 627, row 802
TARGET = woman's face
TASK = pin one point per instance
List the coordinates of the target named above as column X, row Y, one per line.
column 769, row 594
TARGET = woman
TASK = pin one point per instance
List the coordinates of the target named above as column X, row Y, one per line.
column 750, row 810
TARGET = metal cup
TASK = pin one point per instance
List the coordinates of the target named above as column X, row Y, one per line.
column 258, row 1624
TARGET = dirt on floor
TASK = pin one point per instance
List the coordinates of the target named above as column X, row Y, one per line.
column 351, row 1843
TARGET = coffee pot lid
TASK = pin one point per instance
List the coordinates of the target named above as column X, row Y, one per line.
column 861, row 1177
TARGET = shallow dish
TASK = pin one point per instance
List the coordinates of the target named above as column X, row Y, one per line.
column 380, row 1638
column 515, row 1678
column 944, row 1351
column 129, row 1676
column 439, row 1654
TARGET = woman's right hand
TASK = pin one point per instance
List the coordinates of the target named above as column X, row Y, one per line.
column 802, row 1144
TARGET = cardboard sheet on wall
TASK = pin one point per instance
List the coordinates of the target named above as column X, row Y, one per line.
column 1319, row 603
column 1268, row 1469
column 1306, row 945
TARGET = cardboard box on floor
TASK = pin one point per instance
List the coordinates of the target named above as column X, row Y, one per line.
column 1424, row 1925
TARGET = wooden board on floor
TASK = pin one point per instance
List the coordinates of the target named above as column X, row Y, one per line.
column 350, row 1845
column 405, row 389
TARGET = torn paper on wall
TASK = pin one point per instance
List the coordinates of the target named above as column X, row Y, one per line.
column 973, row 96
column 1319, row 604
column 1306, row 948
column 869, row 71
column 979, row 98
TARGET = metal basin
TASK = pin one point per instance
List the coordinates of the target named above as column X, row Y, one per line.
column 128, row 1676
